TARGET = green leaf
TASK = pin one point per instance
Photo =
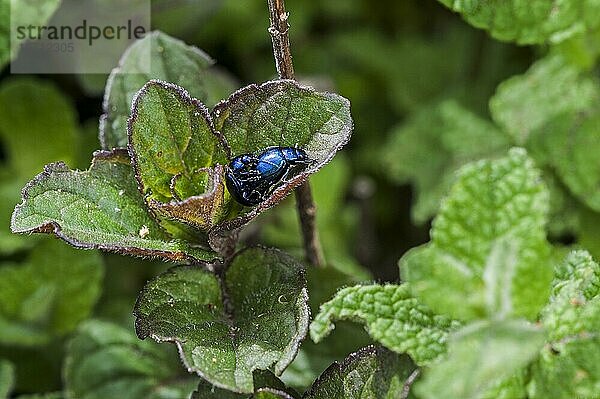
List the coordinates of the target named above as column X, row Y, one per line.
column 569, row 144
column 432, row 145
column 51, row 395
column 479, row 356
column 488, row 254
column 513, row 387
column 392, row 317
column 283, row 113
column 22, row 13
column 574, row 305
column 174, row 146
column 10, row 193
column 254, row 319
column 529, row 21
column 266, row 386
column 550, row 87
column 106, row 361
column 99, row 208
column 49, row 294
column 372, row 372
column 26, row 123
column 7, row 378
column 170, row 60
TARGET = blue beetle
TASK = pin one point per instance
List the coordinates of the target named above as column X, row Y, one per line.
column 251, row 178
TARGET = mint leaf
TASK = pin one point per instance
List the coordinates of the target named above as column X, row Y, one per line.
column 7, row 378
column 486, row 352
column 372, row 372
column 22, row 13
column 170, row 60
column 48, row 295
column 49, row 126
column 283, row 113
column 528, row 21
column 432, row 145
column 106, row 361
column 266, row 386
column 254, row 319
column 488, row 254
column 549, row 88
column 174, row 146
column 99, row 208
column 392, row 317
column 569, row 144
column 574, row 305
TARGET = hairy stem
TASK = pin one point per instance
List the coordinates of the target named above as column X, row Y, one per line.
column 307, row 210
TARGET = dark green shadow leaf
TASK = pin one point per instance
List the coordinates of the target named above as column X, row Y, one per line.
column 372, row 372
column 49, row 294
column 106, row 361
column 7, row 378
column 171, row 60
column 254, row 319
column 99, row 208
column 266, row 386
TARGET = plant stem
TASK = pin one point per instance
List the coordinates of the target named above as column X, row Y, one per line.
column 408, row 383
column 307, row 210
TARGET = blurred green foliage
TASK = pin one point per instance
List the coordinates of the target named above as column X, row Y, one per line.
column 429, row 93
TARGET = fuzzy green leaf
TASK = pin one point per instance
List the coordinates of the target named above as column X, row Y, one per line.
column 429, row 149
column 174, row 147
column 575, row 301
column 488, row 254
column 392, row 317
column 26, row 123
column 7, row 378
column 99, row 208
column 529, row 21
column 478, row 356
column 106, row 361
column 569, row 144
column 372, row 372
column 550, row 87
column 170, row 60
column 258, row 324
column 49, row 294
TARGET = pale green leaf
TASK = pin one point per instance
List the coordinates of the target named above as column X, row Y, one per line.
column 26, row 123
column 49, row 294
column 99, row 208
column 372, row 372
column 550, row 87
column 254, row 319
column 479, row 356
column 488, row 254
column 106, row 361
column 391, row 316
column 529, row 21
column 170, row 60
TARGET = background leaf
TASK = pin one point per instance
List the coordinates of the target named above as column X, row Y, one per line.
column 100, row 208
column 107, row 361
column 391, row 316
column 486, row 352
column 47, row 295
column 254, row 319
column 170, row 60
column 7, row 376
column 528, row 22
column 488, row 254
column 372, row 372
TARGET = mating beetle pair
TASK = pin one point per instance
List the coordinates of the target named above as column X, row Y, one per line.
column 251, row 178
